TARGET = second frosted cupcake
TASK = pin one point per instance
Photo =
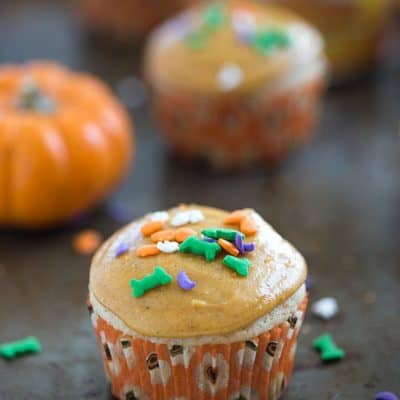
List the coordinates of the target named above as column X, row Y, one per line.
column 236, row 82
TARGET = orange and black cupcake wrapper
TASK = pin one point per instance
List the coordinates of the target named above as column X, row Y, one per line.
column 254, row 369
column 233, row 132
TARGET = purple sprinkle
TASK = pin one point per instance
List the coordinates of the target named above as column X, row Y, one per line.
column 119, row 212
column 239, row 244
column 121, row 249
column 386, row 396
column 249, row 247
column 208, row 239
column 184, row 282
column 309, row 283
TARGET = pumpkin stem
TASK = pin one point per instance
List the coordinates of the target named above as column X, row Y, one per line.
column 32, row 99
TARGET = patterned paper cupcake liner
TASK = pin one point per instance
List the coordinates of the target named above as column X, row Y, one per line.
column 256, row 369
column 235, row 132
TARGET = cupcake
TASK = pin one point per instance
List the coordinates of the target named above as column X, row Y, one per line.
column 127, row 20
column 235, row 83
column 352, row 30
column 198, row 303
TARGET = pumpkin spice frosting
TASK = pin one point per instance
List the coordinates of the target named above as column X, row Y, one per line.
column 194, row 271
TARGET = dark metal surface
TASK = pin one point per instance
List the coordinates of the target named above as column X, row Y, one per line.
column 338, row 201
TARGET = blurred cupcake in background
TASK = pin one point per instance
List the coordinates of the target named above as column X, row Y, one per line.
column 236, row 82
column 127, row 20
column 352, row 29
column 65, row 143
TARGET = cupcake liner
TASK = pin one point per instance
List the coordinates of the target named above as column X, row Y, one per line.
column 232, row 132
column 256, row 369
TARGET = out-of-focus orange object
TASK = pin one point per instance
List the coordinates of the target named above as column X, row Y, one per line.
column 87, row 241
column 65, row 143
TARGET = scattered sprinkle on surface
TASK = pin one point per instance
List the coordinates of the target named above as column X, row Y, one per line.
column 385, row 396
column 29, row 345
column 168, row 247
column 87, row 241
column 328, row 349
column 239, row 265
column 325, row 308
column 122, row 249
column 199, row 247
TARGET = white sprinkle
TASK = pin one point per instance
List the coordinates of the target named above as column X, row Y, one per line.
column 230, row 76
column 243, row 22
column 159, row 216
column 168, row 247
column 187, row 217
column 325, row 308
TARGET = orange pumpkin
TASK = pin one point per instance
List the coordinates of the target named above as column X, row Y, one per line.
column 65, row 142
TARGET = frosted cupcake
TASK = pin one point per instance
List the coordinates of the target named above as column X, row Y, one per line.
column 236, row 83
column 352, row 30
column 197, row 303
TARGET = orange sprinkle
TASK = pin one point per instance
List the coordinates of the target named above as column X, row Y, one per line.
column 151, row 227
column 147, row 250
column 160, row 236
column 248, row 226
column 87, row 241
column 235, row 217
column 228, row 247
column 182, row 234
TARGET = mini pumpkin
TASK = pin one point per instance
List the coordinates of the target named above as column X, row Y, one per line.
column 65, row 142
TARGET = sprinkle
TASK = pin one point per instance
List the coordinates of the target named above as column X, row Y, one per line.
column 234, row 217
column 270, row 40
column 196, row 246
column 198, row 303
column 309, row 283
column 187, row 217
column 248, row 226
column 119, row 212
column 242, row 246
column 196, row 40
column 162, row 216
column 214, row 16
column 163, row 235
column 328, row 349
column 29, row 345
column 147, row 250
column 184, row 282
column 148, row 228
column 385, row 396
column 182, row 234
column 240, row 265
column 87, row 241
column 244, row 24
column 209, row 240
column 228, row 247
column 325, row 308
column 220, row 233
column 168, row 247
column 121, row 249
column 157, row 278
column 229, row 77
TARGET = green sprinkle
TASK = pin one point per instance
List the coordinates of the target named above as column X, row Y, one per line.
column 196, row 40
column 221, row 233
column 29, row 345
column 328, row 349
column 199, row 247
column 240, row 265
column 269, row 40
column 158, row 278
column 214, row 16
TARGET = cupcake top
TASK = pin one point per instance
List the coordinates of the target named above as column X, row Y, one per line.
column 194, row 271
column 229, row 47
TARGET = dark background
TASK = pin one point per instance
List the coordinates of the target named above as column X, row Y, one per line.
column 337, row 201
